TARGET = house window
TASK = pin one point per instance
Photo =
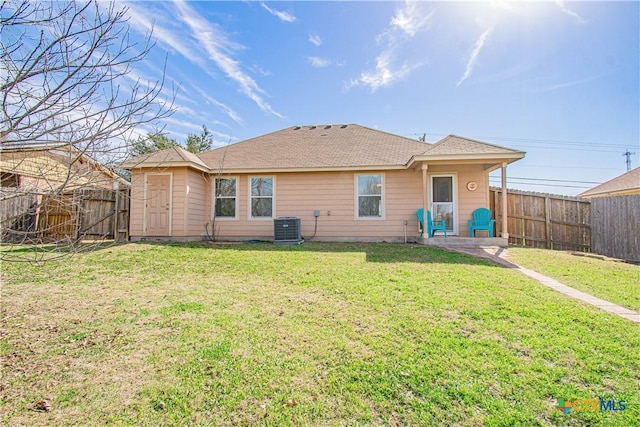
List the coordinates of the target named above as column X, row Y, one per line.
column 8, row 179
column 262, row 197
column 226, row 197
column 369, row 196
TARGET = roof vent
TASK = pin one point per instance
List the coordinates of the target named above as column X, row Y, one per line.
column 327, row 127
column 296, row 128
column 312, row 127
column 343, row 126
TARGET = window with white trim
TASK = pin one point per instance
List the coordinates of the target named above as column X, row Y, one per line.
column 261, row 202
column 370, row 202
column 226, row 197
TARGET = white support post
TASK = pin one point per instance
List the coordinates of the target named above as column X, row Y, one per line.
column 505, row 232
column 425, row 198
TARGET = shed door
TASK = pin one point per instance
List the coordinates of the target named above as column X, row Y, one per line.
column 158, row 205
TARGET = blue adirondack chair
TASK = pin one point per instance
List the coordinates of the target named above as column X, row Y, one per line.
column 432, row 226
column 481, row 221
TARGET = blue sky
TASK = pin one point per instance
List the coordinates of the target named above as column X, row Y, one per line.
column 559, row 80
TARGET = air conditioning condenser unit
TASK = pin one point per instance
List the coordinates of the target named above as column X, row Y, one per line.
column 286, row 230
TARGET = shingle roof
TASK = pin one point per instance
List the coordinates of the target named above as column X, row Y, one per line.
column 453, row 144
column 169, row 156
column 322, row 146
column 626, row 182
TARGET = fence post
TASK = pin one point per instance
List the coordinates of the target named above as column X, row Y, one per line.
column 116, row 189
column 547, row 222
column 77, row 207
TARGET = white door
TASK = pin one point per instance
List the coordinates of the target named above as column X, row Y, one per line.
column 443, row 199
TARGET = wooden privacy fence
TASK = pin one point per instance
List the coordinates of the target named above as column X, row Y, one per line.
column 615, row 226
column 15, row 211
column 84, row 214
column 544, row 220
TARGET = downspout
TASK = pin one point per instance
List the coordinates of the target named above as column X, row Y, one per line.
column 405, row 232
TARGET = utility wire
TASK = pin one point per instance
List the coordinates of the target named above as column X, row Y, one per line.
column 548, row 185
column 565, row 167
column 558, row 144
column 537, row 141
column 544, row 179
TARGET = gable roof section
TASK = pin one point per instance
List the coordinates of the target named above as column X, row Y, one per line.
column 322, row 147
column 627, row 183
column 453, row 144
column 174, row 156
column 457, row 148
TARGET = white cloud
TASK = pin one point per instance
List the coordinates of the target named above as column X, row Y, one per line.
column 181, row 124
column 283, row 16
column 471, row 63
column 384, row 74
column 315, row 39
column 219, row 49
column 256, row 69
column 569, row 12
column 319, row 62
column 141, row 20
column 567, row 84
column 228, row 110
column 410, row 19
column 203, row 44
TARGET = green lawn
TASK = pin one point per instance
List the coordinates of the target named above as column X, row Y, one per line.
column 613, row 281
column 316, row 334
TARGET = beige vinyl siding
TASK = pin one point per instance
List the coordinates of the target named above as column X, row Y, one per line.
column 403, row 199
column 299, row 194
column 197, row 213
column 179, row 205
column 136, row 205
column 333, row 194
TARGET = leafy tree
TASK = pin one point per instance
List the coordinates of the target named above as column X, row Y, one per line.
column 153, row 142
column 199, row 143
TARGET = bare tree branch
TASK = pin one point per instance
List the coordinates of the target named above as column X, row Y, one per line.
column 68, row 77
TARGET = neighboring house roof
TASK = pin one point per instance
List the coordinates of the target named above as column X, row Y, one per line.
column 627, row 183
column 330, row 147
column 174, row 156
column 55, row 165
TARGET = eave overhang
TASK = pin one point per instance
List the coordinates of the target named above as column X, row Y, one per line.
column 228, row 171
column 164, row 165
column 458, row 159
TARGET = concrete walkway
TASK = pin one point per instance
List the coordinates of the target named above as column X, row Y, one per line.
column 497, row 255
